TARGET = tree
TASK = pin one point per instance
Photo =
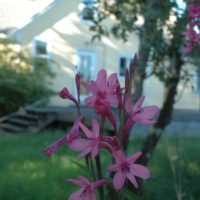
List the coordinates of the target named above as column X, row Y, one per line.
column 154, row 40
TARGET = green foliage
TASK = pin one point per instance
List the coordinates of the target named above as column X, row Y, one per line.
column 159, row 36
column 20, row 84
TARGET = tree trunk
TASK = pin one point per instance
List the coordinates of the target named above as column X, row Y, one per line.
column 165, row 114
column 143, row 56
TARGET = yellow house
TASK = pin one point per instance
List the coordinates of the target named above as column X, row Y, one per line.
column 60, row 32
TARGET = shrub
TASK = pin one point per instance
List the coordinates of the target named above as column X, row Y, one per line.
column 20, row 82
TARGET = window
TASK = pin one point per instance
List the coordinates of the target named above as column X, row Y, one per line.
column 41, row 48
column 86, row 62
column 123, row 64
column 40, row 53
column 196, row 81
column 87, row 10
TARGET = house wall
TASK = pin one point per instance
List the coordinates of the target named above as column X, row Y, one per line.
column 69, row 35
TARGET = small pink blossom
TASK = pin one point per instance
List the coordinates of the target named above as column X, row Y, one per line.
column 103, row 89
column 192, row 35
column 109, row 143
column 187, row 48
column 90, row 144
column 104, row 110
column 127, row 168
column 65, row 94
column 78, row 85
column 194, row 10
column 137, row 114
column 67, row 139
column 86, row 192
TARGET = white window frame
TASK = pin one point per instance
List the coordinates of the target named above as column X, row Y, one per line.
column 93, row 67
column 37, row 55
column 83, row 5
column 196, row 81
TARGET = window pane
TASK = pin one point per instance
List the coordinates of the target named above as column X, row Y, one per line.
column 41, row 48
column 122, row 66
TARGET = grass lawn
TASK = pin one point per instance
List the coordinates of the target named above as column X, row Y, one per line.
column 26, row 174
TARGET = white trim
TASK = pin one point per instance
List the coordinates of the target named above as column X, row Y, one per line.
column 196, row 81
column 40, row 57
column 48, row 51
column 93, row 66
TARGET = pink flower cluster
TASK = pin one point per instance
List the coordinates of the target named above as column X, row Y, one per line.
column 106, row 92
column 192, row 33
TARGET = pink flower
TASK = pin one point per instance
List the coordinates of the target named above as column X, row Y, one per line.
column 137, row 114
column 87, row 189
column 109, row 143
column 90, row 144
column 127, row 168
column 104, row 110
column 73, row 133
column 194, row 10
column 65, row 94
column 103, row 89
column 187, row 48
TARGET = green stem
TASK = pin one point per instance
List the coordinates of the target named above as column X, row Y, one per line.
column 99, row 171
column 89, row 164
column 92, row 169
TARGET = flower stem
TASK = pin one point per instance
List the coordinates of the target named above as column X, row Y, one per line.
column 99, row 171
column 90, row 167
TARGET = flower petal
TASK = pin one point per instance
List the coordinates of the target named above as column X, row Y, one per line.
column 95, row 151
column 65, row 94
column 79, row 144
column 50, row 149
column 95, row 128
column 132, row 179
column 119, row 156
column 108, row 113
column 128, row 106
column 73, row 133
column 84, row 180
column 84, row 152
column 98, row 184
column 86, row 131
column 92, row 196
column 148, row 112
column 140, row 171
column 76, row 195
column 113, row 168
column 90, row 101
column 76, row 182
column 112, row 98
column 102, row 79
column 112, row 79
column 138, row 104
column 134, row 157
column 118, row 180
column 89, row 88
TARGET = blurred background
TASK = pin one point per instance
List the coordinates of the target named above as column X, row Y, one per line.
column 43, row 43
